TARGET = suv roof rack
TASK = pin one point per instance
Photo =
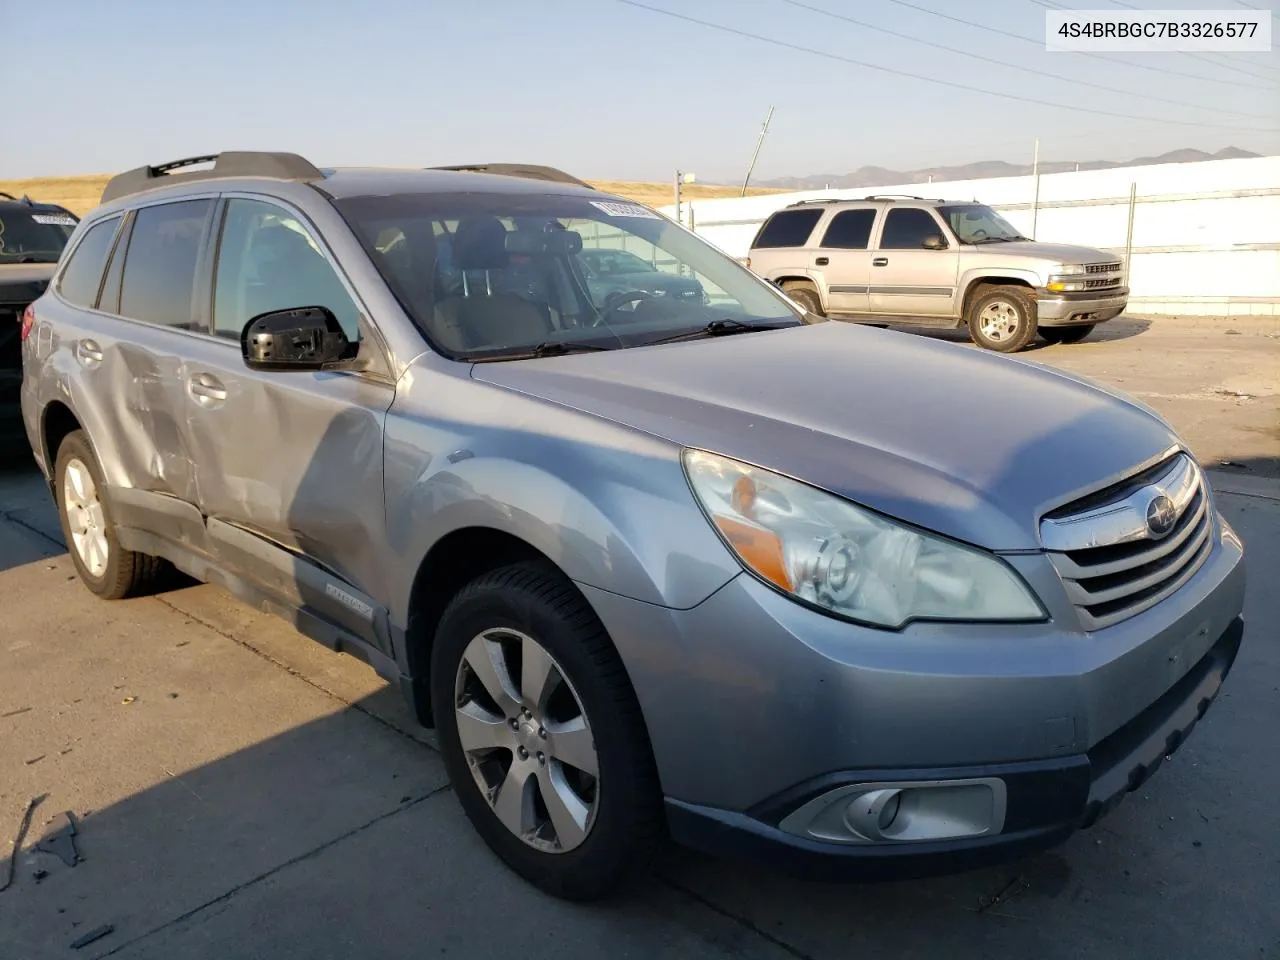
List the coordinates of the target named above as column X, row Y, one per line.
column 231, row 163
column 9, row 196
column 802, row 203
column 529, row 171
column 897, row 196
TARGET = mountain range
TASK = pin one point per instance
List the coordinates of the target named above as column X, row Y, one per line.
column 983, row 169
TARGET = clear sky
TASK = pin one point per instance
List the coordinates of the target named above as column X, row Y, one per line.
column 597, row 87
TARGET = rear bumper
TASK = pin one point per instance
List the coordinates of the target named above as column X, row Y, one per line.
column 1066, row 309
column 1046, row 801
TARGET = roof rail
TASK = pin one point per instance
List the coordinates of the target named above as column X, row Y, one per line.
column 801, row 203
column 231, row 163
column 529, row 171
column 896, row 196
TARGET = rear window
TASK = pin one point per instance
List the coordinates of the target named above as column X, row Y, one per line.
column 790, row 228
column 82, row 275
column 160, row 266
column 33, row 235
column 850, row 229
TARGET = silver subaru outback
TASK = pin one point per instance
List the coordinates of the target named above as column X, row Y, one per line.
column 679, row 560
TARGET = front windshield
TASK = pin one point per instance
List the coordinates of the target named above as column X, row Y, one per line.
column 977, row 223
column 33, row 235
column 491, row 275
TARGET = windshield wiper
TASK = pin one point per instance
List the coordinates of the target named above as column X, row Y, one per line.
column 548, row 348
column 718, row 328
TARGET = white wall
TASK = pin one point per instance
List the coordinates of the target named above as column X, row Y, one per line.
column 1206, row 236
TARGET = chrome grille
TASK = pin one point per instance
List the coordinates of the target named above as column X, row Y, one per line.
column 1101, row 282
column 1102, row 267
column 1110, row 562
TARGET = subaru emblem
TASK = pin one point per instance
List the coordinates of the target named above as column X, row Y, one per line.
column 1161, row 516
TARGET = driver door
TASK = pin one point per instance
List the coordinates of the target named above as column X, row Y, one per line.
column 908, row 280
column 288, row 465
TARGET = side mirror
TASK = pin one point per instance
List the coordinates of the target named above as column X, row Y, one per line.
column 305, row 338
column 934, row 243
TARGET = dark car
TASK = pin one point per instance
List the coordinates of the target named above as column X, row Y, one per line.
column 616, row 274
column 32, row 236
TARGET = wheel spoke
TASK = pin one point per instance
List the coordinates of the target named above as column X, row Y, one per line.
column 514, row 800
column 75, row 477
column 538, row 675
column 572, row 744
column 489, row 665
column 567, row 811
column 479, row 730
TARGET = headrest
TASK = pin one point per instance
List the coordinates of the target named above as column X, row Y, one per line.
column 480, row 244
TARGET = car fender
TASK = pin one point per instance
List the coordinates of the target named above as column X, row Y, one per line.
column 608, row 505
column 994, row 274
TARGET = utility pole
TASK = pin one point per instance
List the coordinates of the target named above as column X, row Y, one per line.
column 756, row 153
column 1035, row 198
column 682, row 178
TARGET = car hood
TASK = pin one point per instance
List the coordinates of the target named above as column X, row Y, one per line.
column 24, row 282
column 972, row 445
column 1057, row 252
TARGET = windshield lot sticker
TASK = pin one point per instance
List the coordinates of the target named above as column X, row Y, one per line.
column 624, row 209
column 54, row 219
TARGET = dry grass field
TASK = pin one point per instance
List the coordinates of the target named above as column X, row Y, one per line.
column 81, row 194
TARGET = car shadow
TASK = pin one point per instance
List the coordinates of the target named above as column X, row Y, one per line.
column 1121, row 328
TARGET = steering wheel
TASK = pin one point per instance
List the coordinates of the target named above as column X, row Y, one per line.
column 979, row 234
column 615, row 301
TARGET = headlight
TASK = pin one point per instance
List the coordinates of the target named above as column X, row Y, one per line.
column 1070, row 269
column 1062, row 285
column 855, row 563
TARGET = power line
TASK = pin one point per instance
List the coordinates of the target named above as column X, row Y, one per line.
column 1014, row 66
column 950, row 84
column 1096, row 56
column 1194, row 56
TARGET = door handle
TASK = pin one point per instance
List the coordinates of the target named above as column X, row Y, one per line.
column 88, row 350
column 880, row 262
column 822, row 261
column 206, row 387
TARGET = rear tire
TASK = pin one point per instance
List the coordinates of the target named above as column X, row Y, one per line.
column 1067, row 334
column 105, row 567
column 574, row 832
column 806, row 294
column 1002, row 318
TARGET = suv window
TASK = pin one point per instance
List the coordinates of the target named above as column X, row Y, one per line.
column 33, row 234
column 790, row 228
column 906, row 227
column 850, row 229
column 82, row 275
column 268, row 261
column 160, row 264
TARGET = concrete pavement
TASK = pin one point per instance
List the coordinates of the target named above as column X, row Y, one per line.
column 245, row 793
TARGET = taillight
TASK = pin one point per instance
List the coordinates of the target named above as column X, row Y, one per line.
column 28, row 320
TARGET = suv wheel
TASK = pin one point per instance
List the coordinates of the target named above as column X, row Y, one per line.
column 1002, row 318
column 106, row 568
column 806, row 294
column 1067, row 334
column 542, row 733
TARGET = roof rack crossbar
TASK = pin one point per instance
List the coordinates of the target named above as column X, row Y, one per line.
column 231, row 163
column 528, row 171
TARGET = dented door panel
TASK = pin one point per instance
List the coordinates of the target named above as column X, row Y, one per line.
column 294, row 460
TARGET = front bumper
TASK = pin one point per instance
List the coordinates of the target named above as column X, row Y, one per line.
column 1046, row 801
column 1067, row 309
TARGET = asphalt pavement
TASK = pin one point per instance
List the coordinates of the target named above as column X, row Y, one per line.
column 241, row 792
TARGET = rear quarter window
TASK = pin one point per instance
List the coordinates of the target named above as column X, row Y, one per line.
column 82, row 276
column 790, row 228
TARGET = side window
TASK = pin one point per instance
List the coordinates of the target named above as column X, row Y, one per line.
column 82, row 275
column 267, row 261
column 850, row 229
column 160, row 265
column 791, row 228
column 906, row 228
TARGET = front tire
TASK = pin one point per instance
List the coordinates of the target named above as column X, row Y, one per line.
column 105, row 567
column 1067, row 334
column 1002, row 318
column 542, row 735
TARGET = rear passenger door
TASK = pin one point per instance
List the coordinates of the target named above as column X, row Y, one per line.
column 845, row 260
column 130, row 354
column 288, row 464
